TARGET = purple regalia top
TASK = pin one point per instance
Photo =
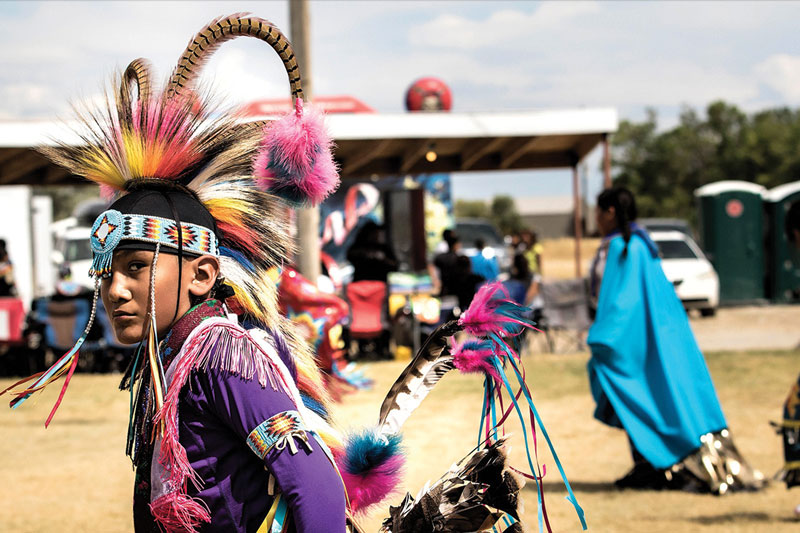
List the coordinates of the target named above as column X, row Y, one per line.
column 221, row 416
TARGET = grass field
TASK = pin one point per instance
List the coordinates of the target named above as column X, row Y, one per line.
column 74, row 476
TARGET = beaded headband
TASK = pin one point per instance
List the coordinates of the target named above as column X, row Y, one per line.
column 111, row 227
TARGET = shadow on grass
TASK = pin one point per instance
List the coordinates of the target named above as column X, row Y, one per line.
column 67, row 422
column 577, row 486
column 738, row 517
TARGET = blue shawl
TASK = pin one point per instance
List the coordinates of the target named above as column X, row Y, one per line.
column 646, row 372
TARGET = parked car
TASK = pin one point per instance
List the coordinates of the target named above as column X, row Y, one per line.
column 471, row 229
column 688, row 269
column 73, row 255
column 666, row 224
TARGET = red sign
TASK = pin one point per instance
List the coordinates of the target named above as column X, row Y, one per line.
column 328, row 104
column 734, row 208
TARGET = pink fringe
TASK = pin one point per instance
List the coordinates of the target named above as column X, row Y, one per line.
column 176, row 512
column 295, row 160
column 471, row 361
column 238, row 354
column 370, row 489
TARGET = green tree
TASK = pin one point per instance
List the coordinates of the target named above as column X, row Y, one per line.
column 471, row 209
column 664, row 168
column 504, row 215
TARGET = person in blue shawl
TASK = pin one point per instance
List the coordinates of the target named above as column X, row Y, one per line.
column 647, row 374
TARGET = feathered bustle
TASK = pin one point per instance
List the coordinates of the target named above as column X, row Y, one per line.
column 480, row 493
column 295, row 160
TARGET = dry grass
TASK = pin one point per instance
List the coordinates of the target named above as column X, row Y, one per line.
column 74, row 476
column 558, row 257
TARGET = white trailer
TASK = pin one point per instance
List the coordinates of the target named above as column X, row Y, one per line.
column 25, row 226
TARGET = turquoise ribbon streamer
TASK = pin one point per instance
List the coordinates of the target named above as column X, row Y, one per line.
column 65, row 360
column 483, row 409
column 501, row 372
column 571, row 496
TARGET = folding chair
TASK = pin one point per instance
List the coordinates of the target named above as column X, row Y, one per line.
column 367, row 301
column 565, row 315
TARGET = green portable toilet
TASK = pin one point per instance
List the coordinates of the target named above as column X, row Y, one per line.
column 783, row 272
column 731, row 229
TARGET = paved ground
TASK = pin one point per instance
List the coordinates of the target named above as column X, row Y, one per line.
column 774, row 327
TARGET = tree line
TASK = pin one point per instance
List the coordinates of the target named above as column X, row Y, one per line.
column 502, row 212
column 664, row 168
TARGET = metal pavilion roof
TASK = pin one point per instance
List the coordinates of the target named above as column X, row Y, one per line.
column 380, row 144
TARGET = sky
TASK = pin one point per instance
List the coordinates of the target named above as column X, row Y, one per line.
column 494, row 56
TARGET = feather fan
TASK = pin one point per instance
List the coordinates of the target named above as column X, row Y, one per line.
column 479, row 493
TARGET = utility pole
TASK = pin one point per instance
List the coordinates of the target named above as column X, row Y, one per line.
column 307, row 217
column 577, row 214
column 606, row 162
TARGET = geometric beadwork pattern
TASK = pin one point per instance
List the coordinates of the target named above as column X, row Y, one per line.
column 278, row 430
column 111, row 227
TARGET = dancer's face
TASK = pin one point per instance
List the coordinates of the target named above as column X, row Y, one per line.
column 606, row 220
column 126, row 293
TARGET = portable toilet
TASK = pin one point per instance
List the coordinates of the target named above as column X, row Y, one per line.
column 783, row 270
column 731, row 230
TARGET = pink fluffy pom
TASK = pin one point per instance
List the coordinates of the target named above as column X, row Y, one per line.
column 365, row 491
column 295, row 160
column 371, row 466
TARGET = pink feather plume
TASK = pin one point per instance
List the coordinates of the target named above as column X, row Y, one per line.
column 493, row 311
column 475, row 357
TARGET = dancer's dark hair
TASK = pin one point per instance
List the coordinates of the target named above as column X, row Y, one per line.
column 624, row 204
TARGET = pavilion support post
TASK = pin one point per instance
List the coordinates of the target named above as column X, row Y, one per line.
column 606, row 162
column 577, row 218
column 307, row 219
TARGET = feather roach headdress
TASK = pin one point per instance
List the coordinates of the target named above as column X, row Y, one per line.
column 234, row 174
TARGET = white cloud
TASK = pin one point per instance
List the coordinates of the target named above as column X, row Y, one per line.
column 492, row 54
column 781, row 72
column 500, row 28
column 656, row 83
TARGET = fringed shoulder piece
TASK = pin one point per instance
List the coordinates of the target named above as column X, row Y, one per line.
column 220, row 344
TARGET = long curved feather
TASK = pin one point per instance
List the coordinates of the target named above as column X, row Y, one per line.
column 223, row 29
column 422, row 374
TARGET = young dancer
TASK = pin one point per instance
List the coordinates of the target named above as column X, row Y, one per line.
column 227, row 427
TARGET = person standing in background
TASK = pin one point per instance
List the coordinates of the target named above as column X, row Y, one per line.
column 371, row 256
column 484, row 262
column 8, row 287
column 532, row 250
column 447, row 265
column 647, row 374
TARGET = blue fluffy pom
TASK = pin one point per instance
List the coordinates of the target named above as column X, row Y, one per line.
column 367, row 449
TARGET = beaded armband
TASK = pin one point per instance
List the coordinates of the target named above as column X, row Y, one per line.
column 279, row 431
